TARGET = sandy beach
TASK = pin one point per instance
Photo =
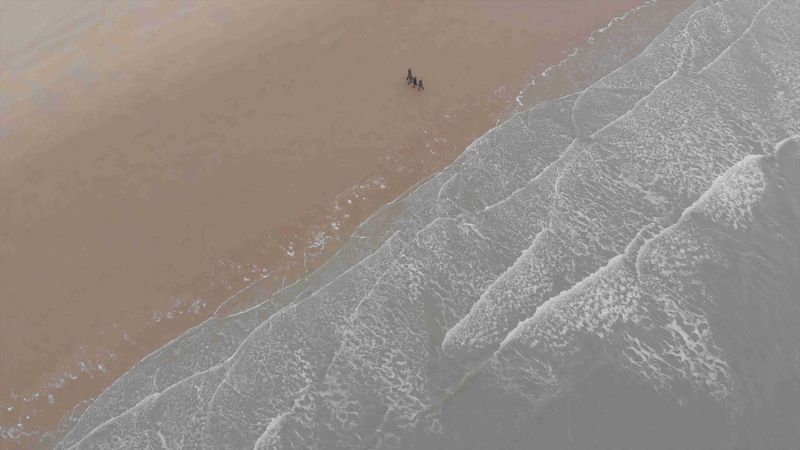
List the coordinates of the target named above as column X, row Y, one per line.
column 158, row 157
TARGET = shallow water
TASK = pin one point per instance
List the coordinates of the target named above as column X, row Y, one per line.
column 615, row 268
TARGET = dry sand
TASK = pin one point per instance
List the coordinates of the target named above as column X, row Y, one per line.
column 157, row 157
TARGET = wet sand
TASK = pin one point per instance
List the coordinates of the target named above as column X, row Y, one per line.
column 158, row 157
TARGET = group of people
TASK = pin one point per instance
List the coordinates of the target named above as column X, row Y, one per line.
column 412, row 79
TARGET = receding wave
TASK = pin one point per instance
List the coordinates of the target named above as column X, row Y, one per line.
column 600, row 271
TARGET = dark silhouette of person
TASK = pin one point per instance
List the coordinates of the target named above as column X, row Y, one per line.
column 420, row 86
column 414, row 80
column 409, row 76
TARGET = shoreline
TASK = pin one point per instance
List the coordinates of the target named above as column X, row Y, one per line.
column 367, row 191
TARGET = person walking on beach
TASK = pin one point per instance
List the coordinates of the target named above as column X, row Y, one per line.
column 414, row 80
column 420, row 86
column 409, row 76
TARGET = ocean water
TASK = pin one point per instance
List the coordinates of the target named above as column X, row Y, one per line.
column 617, row 268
